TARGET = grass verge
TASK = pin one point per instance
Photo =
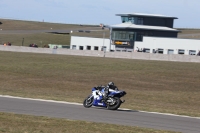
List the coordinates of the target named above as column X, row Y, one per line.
column 158, row 86
column 14, row 123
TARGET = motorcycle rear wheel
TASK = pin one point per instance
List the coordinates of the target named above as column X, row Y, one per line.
column 116, row 104
column 87, row 103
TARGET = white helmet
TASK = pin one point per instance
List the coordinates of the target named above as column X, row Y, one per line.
column 110, row 83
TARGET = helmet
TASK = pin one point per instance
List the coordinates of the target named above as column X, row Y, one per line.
column 110, row 83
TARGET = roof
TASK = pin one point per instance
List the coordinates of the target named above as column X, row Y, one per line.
column 145, row 27
column 145, row 15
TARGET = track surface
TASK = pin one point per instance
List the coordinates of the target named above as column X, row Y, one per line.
column 78, row 112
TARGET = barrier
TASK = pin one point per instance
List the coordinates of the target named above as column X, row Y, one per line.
column 125, row 55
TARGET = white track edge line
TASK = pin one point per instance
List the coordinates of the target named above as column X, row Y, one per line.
column 64, row 102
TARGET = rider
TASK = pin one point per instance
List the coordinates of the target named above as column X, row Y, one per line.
column 111, row 86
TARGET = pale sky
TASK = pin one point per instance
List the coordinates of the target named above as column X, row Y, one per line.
column 100, row 11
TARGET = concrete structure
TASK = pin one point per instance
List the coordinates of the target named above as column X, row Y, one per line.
column 125, row 55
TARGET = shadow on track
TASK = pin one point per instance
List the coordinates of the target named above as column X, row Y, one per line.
column 118, row 110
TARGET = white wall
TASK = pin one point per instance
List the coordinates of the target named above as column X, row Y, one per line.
column 169, row 43
column 87, row 41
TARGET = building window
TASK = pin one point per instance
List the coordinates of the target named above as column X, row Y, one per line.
column 124, row 19
column 146, row 50
column 88, row 47
column 131, row 37
column 160, row 51
column 192, row 52
column 73, row 46
column 170, row 51
column 140, row 21
column 127, row 20
column 139, row 36
column 96, row 48
column 122, row 35
column 103, row 48
column 131, row 19
column 80, row 47
column 181, row 51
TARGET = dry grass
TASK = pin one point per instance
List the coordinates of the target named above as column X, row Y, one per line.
column 39, row 38
column 171, row 87
column 8, row 24
column 44, row 38
column 189, row 34
column 11, row 123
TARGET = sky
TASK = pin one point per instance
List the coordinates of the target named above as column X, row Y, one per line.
column 99, row 11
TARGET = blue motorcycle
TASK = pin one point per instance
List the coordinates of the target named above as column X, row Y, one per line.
column 112, row 101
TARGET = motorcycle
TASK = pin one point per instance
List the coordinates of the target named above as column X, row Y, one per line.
column 112, row 102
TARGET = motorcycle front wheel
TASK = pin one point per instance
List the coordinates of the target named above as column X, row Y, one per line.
column 87, row 103
column 115, row 104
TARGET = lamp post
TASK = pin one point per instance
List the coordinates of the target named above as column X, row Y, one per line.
column 103, row 44
column 110, row 37
column 41, row 43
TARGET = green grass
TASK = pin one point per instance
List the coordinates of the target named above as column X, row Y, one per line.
column 12, row 123
column 169, row 87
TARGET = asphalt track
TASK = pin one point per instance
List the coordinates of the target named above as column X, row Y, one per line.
column 75, row 111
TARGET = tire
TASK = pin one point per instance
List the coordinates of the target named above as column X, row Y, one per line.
column 88, row 103
column 116, row 105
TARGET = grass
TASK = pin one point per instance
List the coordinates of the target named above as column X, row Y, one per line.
column 13, row 123
column 8, row 24
column 44, row 38
column 168, row 87
column 40, row 39
column 189, row 33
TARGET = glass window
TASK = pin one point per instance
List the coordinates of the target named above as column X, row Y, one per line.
column 96, row 48
column 124, row 19
column 131, row 36
column 192, row 52
column 160, row 51
column 170, row 51
column 73, row 46
column 140, row 21
column 131, row 19
column 80, row 47
column 123, row 35
column 146, row 50
column 139, row 36
column 88, row 47
column 181, row 51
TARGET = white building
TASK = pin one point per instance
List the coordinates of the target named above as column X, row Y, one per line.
column 87, row 43
column 148, row 33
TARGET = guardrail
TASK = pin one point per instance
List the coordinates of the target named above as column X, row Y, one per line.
column 126, row 55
